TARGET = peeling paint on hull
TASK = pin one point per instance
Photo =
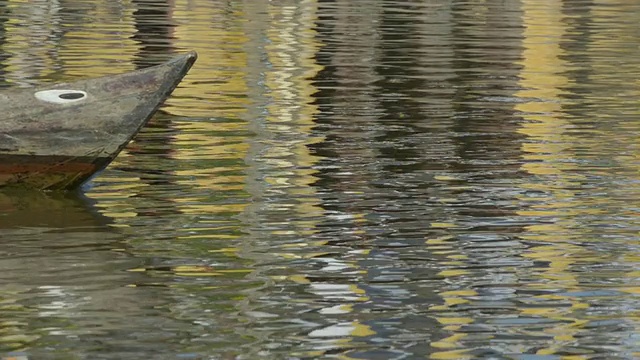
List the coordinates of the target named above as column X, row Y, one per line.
column 48, row 172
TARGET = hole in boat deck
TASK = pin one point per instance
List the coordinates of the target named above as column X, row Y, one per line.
column 71, row 96
column 61, row 96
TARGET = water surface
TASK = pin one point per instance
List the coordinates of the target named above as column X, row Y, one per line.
column 349, row 180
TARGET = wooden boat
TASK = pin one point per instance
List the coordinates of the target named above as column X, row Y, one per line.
column 56, row 137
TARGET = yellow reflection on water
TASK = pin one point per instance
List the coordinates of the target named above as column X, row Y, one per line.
column 41, row 44
column 290, row 112
column 217, row 86
column 210, row 151
column 545, row 153
column 30, row 56
column 101, row 46
column 550, row 145
column 451, row 265
column 280, row 161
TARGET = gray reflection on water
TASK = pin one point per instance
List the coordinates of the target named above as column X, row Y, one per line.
column 399, row 113
column 366, row 180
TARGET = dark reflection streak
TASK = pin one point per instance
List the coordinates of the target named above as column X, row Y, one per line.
column 347, row 142
column 154, row 31
column 5, row 15
column 397, row 89
column 328, row 81
column 579, row 19
column 486, row 69
column 403, row 118
column 373, row 148
column 154, row 27
column 487, row 140
column 575, row 42
column 325, row 82
column 75, row 13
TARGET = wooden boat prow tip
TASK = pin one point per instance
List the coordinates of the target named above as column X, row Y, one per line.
column 56, row 137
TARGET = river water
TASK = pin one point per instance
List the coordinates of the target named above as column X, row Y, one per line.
column 341, row 179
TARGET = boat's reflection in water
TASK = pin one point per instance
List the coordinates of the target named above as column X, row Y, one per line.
column 62, row 263
column 28, row 209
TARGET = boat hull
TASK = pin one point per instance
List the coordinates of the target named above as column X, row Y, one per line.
column 57, row 137
column 49, row 172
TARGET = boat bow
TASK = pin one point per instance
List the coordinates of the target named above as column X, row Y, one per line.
column 56, row 137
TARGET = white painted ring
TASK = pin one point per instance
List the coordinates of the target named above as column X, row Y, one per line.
column 61, row 96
